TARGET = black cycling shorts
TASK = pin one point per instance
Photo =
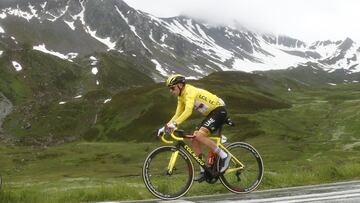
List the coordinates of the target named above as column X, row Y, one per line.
column 215, row 119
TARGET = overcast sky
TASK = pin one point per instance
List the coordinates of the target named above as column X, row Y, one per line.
column 307, row 20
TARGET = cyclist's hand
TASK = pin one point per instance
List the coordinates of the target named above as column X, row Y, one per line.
column 161, row 131
column 169, row 128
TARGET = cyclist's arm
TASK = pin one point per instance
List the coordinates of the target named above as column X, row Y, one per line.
column 179, row 111
column 189, row 105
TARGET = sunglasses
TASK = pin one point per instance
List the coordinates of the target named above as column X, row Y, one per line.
column 172, row 88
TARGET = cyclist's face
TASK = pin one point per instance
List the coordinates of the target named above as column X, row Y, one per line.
column 174, row 90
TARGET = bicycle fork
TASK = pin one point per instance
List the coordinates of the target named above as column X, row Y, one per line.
column 172, row 161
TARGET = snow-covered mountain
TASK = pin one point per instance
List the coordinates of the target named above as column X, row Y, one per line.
column 74, row 29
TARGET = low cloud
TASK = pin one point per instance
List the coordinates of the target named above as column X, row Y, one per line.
column 307, row 20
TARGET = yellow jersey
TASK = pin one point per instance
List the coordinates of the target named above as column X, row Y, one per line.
column 195, row 98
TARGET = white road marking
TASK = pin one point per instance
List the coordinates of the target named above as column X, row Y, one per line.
column 306, row 198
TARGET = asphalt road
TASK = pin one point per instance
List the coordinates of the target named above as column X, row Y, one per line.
column 334, row 192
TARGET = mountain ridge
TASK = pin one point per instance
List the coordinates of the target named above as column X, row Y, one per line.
column 178, row 44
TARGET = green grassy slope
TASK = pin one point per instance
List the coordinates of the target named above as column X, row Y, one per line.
column 134, row 114
column 45, row 81
column 305, row 136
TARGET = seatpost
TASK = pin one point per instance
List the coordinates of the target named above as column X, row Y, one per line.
column 220, row 130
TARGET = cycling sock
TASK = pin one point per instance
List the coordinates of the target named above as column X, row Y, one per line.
column 220, row 152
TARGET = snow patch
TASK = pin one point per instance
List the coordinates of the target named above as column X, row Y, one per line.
column 162, row 45
column 19, row 13
column 204, row 35
column 94, row 70
column 1, row 52
column 33, row 11
column 277, row 60
column 13, row 38
column 132, row 28
column 3, row 15
column 159, row 67
column 62, row 102
column 197, row 69
column 106, row 41
column 332, row 84
column 2, row 30
column 163, row 37
column 70, row 24
column 68, row 56
column 93, row 60
column 207, row 44
column 192, row 78
column 78, row 96
column 326, row 50
column 107, row 100
column 16, row 65
column 43, row 5
column 80, row 14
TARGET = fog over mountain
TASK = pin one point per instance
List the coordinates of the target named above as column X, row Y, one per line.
column 305, row 20
column 73, row 29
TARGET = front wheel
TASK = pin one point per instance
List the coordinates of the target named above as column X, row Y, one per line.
column 161, row 182
column 246, row 179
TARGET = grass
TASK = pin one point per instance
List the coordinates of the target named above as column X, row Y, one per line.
column 305, row 136
column 107, row 171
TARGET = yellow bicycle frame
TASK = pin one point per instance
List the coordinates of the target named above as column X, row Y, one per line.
column 175, row 154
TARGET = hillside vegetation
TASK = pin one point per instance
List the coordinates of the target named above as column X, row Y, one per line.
column 88, row 150
column 55, row 100
column 305, row 136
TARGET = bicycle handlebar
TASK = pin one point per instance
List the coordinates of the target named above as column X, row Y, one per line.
column 173, row 136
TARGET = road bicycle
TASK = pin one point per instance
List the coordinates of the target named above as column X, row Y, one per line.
column 168, row 171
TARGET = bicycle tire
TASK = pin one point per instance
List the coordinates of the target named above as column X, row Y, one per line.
column 161, row 184
column 247, row 179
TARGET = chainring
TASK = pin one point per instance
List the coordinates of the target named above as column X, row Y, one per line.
column 209, row 178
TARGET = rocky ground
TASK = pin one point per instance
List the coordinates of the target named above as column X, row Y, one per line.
column 5, row 108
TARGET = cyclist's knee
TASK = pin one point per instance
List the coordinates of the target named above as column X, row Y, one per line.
column 204, row 131
column 201, row 132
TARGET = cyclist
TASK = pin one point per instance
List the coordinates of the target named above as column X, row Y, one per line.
column 211, row 106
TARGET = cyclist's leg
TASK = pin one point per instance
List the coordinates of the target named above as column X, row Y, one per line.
column 196, row 145
column 210, row 125
column 201, row 136
column 213, row 121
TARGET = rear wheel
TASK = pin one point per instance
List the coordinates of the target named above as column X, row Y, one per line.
column 247, row 179
column 159, row 181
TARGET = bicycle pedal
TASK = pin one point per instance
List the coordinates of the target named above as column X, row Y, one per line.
column 200, row 180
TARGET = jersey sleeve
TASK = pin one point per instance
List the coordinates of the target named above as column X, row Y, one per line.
column 179, row 111
column 189, row 105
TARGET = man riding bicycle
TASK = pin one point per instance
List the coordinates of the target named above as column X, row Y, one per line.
column 211, row 106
